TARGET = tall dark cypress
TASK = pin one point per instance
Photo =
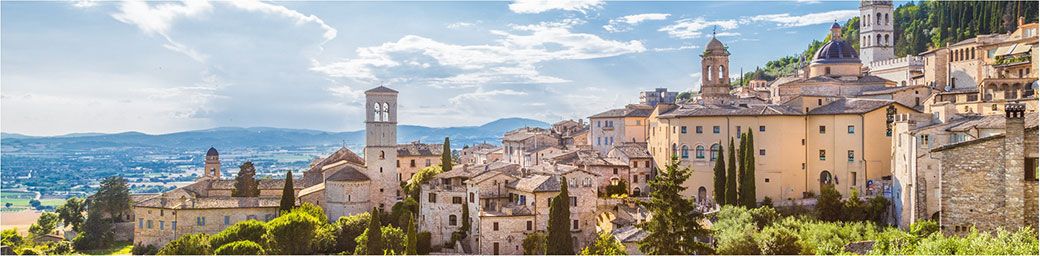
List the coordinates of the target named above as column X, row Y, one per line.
column 747, row 188
column 559, row 238
column 731, row 175
column 720, row 179
column 446, row 155
column 411, row 238
column 288, row 194
column 374, row 237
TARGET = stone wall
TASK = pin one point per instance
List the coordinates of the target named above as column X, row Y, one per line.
column 156, row 226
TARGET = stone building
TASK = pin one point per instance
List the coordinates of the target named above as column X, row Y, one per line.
column 618, row 125
column 877, row 33
column 414, row 156
column 468, row 154
column 658, row 95
column 641, row 168
column 991, row 182
column 715, row 73
column 520, row 145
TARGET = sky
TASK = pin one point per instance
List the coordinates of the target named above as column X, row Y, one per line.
column 161, row 67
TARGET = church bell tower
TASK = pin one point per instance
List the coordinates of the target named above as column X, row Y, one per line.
column 877, row 38
column 381, row 145
column 715, row 73
column 212, row 168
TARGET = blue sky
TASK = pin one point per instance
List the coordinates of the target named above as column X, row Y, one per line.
column 157, row 67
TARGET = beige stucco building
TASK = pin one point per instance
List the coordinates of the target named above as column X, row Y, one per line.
column 616, row 126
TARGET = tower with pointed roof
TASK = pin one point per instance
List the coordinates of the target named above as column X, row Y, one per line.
column 715, row 73
column 876, row 32
column 212, row 167
column 381, row 145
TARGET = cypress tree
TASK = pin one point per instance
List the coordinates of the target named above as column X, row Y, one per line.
column 731, row 176
column 464, row 229
column 288, row 194
column 412, row 241
column 446, row 155
column 720, row 179
column 559, row 240
column 747, row 186
column 374, row 235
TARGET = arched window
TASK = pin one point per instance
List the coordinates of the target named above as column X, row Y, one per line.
column 886, row 39
column 878, row 19
column 972, row 53
column 722, row 72
column 878, row 39
column 700, row 152
column 382, row 154
column 886, row 19
column 712, row 73
column 685, row 152
column 715, row 148
column 453, row 220
column 825, row 178
column 635, row 191
column 376, row 112
column 702, row 194
column 386, row 112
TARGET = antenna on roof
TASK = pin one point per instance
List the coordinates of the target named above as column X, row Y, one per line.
column 716, row 27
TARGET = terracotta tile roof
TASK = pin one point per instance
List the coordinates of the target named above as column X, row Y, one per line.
column 313, row 175
column 888, row 90
column 633, row 149
column 347, row 172
column 728, row 110
column 419, row 149
column 851, row 106
column 536, row 183
column 624, row 112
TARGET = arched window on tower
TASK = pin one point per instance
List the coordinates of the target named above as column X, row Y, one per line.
column 886, row 19
column 878, row 19
column 376, row 112
column 886, row 39
column 382, row 154
column 386, row 111
column 722, row 73
column 878, row 39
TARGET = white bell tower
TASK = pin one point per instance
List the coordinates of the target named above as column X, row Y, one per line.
column 877, row 38
column 381, row 146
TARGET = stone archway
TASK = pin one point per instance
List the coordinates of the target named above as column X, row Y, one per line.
column 702, row 195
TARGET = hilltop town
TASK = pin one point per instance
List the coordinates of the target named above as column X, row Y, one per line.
column 947, row 136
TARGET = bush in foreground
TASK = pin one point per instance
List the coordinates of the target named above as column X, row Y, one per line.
column 190, row 244
column 244, row 247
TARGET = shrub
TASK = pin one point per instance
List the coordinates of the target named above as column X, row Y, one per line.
column 876, row 210
column 922, row 229
column 30, row 251
column 250, row 230
column 144, row 250
column 605, row 244
column 325, row 239
column 767, row 201
column 778, row 241
column 291, row 233
column 244, row 247
column 348, row 228
column 393, row 239
column 313, row 210
column 189, row 244
column 423, row 243
column 828, row 205
column 534, row 243
column 735, row 231
column 764, row 216
column 60, row 248
column 11, row 238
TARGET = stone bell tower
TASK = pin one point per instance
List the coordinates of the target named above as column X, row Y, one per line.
column 715, row 73
column 877, row 38
column 381, row 145
column 212, row 168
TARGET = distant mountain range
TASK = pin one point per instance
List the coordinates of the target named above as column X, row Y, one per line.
column 228, row 137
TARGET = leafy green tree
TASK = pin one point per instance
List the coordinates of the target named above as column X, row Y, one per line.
column 96, row 231
column 313, row 210
column 11, row 238
column 59, row 248
column 764, row 216
column 747, row 178
column 877, row 210
column 534, row 243
column 324, row 241
column 292, row 233
column 414, row 185
column 734, row 231
column 403, row 210
column 605, row 244
column 373, row 237
column 828, row 205
column 35, row 203
column 250, row 230
column 288, row 194
column 674, row 229
column 71, row 213
column 775, row 240
column 44, row 225
column 245, row 183
column 392, row 241
column 112, row 197
column 853, row 208
column 189, row 244
column 446, row 155
column 731, row 175
column 559, row 227
column 244, row 247
column 411, row 246
column 348, row 229
column 720, row 178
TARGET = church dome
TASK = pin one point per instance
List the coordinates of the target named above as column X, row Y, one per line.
column 836, row 51
column 212, row 152
column 715, row 47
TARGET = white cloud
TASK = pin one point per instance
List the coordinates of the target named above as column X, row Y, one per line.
column 512, row 59
column 625, row 23
column 84, row 3
column 692, row 28
column 680, row 48
column 481, row 95
column 460, row 25
column 786, row 20
column 539, row 6
column 300, row 18
column 809, row 1
column 564, row 24
column 724, row 34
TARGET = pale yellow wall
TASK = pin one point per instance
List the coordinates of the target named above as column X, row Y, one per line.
column 405, row 169
column 186, row 222
column 850, row 69
column 635, row 130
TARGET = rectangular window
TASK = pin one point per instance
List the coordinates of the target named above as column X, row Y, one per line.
column 530, row 225
column 173, row 225
column 433, row 198
column 699, row 129
column 739, row 130
column 251, row 217
column 574, row 201
column 428, row 163
column 823, row 129
column 635, row 178
column 1032, row 169
column 682, row 130
column 456, row 200
column 852, row 129
column 854, row 179
column 615, row 171
column 823, row 154
column 716, row 129
column 495, row 226
column 761, row 152
column 574, row 224
column 149, row 224
column 162, row 225
column 647, row 165
column 852, row 156
column 200, row 221
column 761, row 128
column 803, row 166
column 140, row 222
